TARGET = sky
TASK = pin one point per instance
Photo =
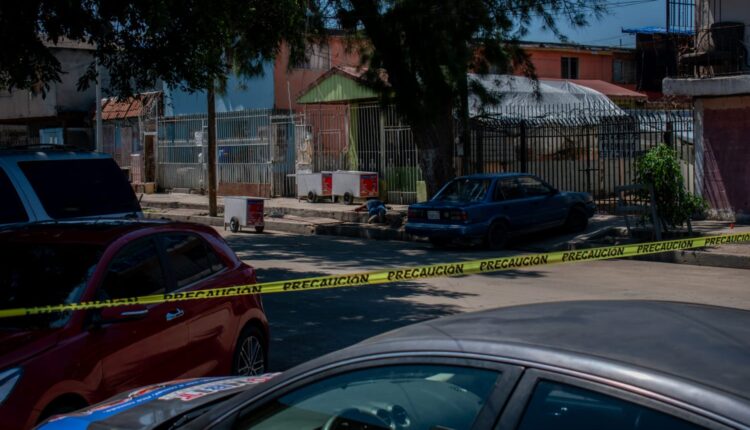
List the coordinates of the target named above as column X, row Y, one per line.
column 607, row 30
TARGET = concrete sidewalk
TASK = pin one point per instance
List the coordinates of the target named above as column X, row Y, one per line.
column 300, row 217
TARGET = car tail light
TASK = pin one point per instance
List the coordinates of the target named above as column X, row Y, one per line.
column 459, row 216
column 416, row 213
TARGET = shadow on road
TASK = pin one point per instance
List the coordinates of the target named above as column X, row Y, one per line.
column 305, row 325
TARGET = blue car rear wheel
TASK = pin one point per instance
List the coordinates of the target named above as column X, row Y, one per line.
column 577, row 220
column 497, row 236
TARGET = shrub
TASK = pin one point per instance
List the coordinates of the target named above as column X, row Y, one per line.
column 660, row 167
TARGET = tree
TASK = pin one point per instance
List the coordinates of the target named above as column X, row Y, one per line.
column 188, row 44
column 427, row 48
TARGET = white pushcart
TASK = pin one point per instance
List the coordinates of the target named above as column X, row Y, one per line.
column 244, row 212
column 352, row 184
column 313, row 186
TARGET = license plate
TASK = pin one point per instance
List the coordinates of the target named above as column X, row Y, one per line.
column 433, row 215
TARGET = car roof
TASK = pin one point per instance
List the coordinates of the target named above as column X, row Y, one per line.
column 15, row 155
column 94, row 232
column 695, row 354
column 494, row 175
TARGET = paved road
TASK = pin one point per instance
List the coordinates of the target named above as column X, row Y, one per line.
column 307, row 324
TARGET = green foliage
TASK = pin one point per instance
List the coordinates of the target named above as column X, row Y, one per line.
column 189, row 44
column 426, row 48
column 660, row 166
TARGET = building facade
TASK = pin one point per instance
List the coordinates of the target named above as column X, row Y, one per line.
column 715, row 73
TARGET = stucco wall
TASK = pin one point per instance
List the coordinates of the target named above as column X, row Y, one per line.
column 590, row 65
column 723, row 154
column 62, row 96
column 289, row 84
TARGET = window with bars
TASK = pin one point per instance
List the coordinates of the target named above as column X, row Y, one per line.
column 569, row 67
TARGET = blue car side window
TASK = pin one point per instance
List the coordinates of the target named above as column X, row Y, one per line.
column 511, row 189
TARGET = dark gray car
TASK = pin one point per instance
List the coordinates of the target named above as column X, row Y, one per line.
column 614, row 365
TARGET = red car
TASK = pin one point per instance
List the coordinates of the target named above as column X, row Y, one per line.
column 55, row 363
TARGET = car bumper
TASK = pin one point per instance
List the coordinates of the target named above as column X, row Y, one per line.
column 590, row 209
column 448, row 231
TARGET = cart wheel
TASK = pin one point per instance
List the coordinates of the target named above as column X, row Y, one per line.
column 311, row 197
column 234, row 225
column 259, row 229
column 348, row 198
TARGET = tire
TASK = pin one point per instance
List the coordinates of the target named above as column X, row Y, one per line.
column 440, row 242
column 312, row 197
column 61, row 406
column 348, row 198
column 234, row 225
column 497, row 236
column 577, row 221
column 250, row 353
column 259, row 229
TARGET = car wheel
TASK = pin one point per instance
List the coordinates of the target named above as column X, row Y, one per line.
column 61, row 406
column 250, row 354
column 312, row 197
column 234, row 225
column 259, row 229
column 348, row 198
column 497, row 236
column 440, row 242
column 577, row 221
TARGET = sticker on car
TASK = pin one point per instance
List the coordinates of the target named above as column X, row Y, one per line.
column 198, row 391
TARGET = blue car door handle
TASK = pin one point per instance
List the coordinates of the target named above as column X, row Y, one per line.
column 175, row 314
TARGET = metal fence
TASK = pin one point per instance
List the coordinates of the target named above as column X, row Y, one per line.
column 255, row 152
column 577, row 149
column 365, row 137
column 572, row 147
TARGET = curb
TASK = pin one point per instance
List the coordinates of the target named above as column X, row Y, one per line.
column 699, row 258
column 368, row 231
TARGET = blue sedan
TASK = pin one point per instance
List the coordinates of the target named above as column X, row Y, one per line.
column 489, row 208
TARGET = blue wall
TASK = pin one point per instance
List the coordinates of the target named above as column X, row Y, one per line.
column 253, row 93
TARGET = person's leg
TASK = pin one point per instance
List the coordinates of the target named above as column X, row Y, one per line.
column 381, row 215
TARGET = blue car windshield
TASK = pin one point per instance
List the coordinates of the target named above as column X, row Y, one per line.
column 464, row 190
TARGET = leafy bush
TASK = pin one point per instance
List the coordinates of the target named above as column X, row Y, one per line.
column 660, row 166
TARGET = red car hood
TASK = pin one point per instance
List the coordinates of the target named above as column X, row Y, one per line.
column 16, row 345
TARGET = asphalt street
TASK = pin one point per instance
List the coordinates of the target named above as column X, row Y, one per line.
column 307, row 324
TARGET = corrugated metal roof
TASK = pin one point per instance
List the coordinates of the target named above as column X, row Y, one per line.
column 608, row 89
column 683, row 31
column 132, row 107
column 338, row 85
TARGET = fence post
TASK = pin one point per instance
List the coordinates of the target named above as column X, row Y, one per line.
column 524, row 149
column 479, row 156
column 668, row 135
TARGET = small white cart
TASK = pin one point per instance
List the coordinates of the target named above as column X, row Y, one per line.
column 244, row 212
column 352, row 184
column 313, row 186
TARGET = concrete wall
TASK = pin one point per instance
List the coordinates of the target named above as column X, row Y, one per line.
column 591, row 64
column 723, row 154
column 241, row 94
column 62, row 97
column 289, row 84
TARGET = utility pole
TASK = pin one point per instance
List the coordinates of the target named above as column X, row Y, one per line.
column 212, row 208
column 99, row 144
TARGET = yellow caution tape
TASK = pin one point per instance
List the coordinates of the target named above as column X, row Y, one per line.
column 401, row 274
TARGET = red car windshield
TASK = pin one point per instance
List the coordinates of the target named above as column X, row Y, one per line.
column 464, row 190
column 43, row 274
